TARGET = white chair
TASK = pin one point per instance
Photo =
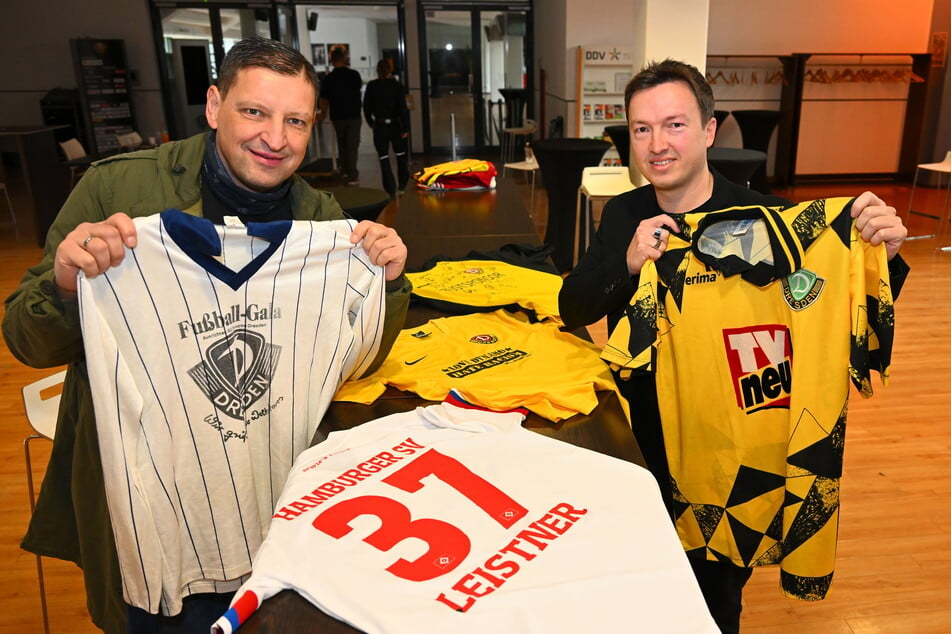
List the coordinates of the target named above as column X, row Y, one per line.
column 529, row 166
column 13, row 216
column 601, row 184
column 129, row 142
column 512, row 136
column 76, row 159
column 41, row 403
column 944, row 167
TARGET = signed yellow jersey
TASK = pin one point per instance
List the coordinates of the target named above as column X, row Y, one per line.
column 754, row 320
column 489, row 283
column 498, row 360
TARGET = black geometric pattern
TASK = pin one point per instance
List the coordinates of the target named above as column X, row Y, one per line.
column 810, row 223
column 805, row 588
column 810, row 493
column 751, row 483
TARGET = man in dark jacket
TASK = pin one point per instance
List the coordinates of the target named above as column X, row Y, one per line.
column 384, row 107
column 670, row 116
column 340, row 98
column 261, row 113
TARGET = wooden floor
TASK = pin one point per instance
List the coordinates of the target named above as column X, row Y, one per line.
column 894, row 562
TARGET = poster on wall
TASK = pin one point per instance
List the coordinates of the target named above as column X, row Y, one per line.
column 319, row 55
column 332, row 47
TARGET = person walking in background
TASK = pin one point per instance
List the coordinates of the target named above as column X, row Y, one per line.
column 340, row 98
column 384, row 108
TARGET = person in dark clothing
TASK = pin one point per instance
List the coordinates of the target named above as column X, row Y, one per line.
column 340, row 98
column 670, row 114
column 384, row 108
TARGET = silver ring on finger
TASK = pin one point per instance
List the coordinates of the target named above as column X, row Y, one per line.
column 657, row 244
column 85, row 243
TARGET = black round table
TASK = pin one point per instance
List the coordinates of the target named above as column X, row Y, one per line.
column 515, row 99
column 621, row 138
column 737, row 164
column 562, row 162
column 757, row 127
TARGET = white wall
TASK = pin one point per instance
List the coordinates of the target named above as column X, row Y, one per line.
column 552, row 56
column 359, row 34
column 35, row 54
column 753, row 27
column 677, row 30
column 833, row 135
column 592, row 24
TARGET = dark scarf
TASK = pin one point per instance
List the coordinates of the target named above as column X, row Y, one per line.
column 221, row 196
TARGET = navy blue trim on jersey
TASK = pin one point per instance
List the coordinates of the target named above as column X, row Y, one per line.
column 199, row 239
column 455, row 397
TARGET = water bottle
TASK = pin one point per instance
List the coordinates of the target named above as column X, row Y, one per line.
column 529, row 153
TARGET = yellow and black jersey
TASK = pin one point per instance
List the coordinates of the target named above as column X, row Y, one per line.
column 754, row 320
column 489, row 283
column 498, row 360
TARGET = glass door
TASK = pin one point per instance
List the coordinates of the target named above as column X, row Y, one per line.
column 474, row 76
column 194, row 38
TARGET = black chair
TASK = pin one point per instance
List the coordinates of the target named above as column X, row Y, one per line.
column 562, row 162
column 621, row 139
column 757, row 127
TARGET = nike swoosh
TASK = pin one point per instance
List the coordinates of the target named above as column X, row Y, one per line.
column 416, row 361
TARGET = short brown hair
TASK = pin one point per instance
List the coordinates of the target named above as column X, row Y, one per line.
column 257, row 51
column 667, row 71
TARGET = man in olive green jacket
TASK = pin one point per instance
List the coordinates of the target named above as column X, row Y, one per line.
column 261, row 111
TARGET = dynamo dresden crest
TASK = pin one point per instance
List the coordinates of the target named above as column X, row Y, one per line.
column 802, row 288
column 236, row 371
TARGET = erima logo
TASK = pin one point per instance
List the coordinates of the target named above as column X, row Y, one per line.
column 802, row 288
column 473, row 271
column 701, row 278
column 760, row 359
column 236, row 371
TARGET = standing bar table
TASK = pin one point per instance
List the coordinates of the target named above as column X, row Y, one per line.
column 35, row 147
column 561, row 162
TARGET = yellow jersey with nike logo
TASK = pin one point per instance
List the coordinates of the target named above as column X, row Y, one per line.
column 754, row 320
column 498, row 360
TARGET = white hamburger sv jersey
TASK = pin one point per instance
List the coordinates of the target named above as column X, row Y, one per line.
column 455, row 519
column 213, row 352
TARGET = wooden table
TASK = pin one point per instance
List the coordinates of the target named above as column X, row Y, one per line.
column 35, row 147
column 453, row 223
column 449, row 223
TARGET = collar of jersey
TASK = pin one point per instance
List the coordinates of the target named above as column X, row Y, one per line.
column 199, row 240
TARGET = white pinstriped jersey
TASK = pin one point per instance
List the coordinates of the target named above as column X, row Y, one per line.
column 213, row 353
column 454, row 519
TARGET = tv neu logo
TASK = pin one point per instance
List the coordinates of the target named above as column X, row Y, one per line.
column 760, row 360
